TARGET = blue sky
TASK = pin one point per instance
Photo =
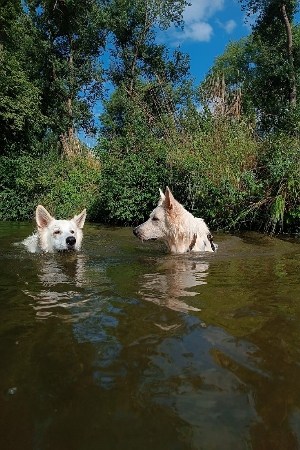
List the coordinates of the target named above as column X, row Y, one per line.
column 209, row 26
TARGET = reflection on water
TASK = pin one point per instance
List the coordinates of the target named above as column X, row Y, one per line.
column 177, row 278
column 57, row 273
column 68, row 269
column 126, row 347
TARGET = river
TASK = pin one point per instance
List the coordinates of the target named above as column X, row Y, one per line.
column 126, row 347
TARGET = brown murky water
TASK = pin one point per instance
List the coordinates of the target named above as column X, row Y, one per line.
column 126, row 347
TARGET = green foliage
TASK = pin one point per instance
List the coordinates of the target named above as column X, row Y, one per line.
column 149, row 82
column 257, row 67
column 50, row 76
column 130, row 185
column 221, row 173
column 21, row 119
column 20, row 116
column 234, row 161
column 280, row 164
column 71, row 35
column 266, row 11
column 62, row 185
column 211, row 172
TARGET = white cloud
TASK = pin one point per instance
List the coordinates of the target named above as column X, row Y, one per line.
column 228, row 26
column 196, row 16
column 198, row 31
column 200, row 10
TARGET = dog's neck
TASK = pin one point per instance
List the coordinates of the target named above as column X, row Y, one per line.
column 183, row 245
column 192, row 243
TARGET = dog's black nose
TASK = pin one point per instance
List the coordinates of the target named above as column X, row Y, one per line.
column 135, row 231
column 71, row 240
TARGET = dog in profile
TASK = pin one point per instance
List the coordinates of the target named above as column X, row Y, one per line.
column 55, row 235
column 177, row 227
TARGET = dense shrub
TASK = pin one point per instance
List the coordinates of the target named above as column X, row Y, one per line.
column 280, row 170
column 62, row 185
column 214, row 174
column 130, row 185
column 211, row 171
column 221, row 173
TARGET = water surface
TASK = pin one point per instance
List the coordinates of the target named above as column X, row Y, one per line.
column 126, row 347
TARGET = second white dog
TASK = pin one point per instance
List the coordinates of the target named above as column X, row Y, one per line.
column 178, row 228
column 55, row 235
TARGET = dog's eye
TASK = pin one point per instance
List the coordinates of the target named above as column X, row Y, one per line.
column 56, row 232
column 155, row 219
column 72, row 231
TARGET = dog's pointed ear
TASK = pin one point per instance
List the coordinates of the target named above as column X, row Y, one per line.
column 42, row 217
column 162, row 197
column 169, row 199
column 80, row 219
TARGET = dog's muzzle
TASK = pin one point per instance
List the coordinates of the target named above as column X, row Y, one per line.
column 70, row 241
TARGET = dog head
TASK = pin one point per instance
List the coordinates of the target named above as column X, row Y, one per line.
column 162, row 220
column 59, row 235
column 177, row 227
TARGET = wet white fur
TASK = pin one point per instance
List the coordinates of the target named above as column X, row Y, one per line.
column 52, row 234
column 177, row 227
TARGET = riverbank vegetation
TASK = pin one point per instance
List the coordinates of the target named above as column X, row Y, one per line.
column 229, row 148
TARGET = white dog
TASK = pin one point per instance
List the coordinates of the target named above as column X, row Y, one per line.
column 173, row 224
column 55, row 235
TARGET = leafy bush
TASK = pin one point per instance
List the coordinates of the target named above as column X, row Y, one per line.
column 214, row 173
column 280, row 164
column 130, row 185
column 64, row 186
column 219, row 172
column 211, row 172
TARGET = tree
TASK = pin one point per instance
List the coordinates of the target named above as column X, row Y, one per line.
column 274, row 28
column 72, row 35
column 145, row 77
column 21, row 119
column 260, row 67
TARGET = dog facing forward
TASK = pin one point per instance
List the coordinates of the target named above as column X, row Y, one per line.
column 55, row 235
column 178, row 228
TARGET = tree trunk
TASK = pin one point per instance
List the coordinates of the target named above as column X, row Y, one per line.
column 292, row 77
column 71, row 84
